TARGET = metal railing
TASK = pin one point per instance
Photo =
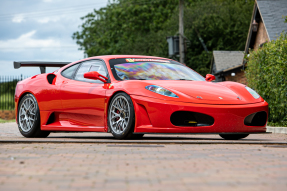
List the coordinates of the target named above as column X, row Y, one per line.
column 7, row 91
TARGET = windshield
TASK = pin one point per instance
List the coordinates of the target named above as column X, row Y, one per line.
column 155, row 71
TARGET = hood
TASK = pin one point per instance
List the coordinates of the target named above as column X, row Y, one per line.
column 204, row 92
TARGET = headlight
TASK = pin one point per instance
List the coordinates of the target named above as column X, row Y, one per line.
column 160, row 90
column 253, row 92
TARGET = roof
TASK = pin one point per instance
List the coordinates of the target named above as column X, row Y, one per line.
column 272, row 12
column 226, row 60
column 108, row 57
column 127, row 56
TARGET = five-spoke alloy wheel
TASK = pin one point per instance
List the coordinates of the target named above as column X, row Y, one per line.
column 29, row 117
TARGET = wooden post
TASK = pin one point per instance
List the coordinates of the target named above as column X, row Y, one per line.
column 181, row 32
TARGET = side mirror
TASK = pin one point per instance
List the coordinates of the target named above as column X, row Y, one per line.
column 95, row 76
column 209, row 77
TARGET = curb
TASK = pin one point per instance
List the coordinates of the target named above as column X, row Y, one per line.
column 277, row 130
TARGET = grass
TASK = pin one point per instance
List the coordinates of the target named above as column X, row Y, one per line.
column 7, row 121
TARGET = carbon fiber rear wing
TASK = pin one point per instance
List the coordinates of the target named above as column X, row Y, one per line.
column 40, row 64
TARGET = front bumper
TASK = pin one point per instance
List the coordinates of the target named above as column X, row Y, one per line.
column 153, row 116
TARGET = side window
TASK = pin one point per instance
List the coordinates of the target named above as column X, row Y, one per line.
column 89, row 66
column 68, row 73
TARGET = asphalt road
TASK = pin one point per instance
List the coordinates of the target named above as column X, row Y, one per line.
column 93, row 161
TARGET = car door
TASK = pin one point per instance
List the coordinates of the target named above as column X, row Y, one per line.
column 83, row 100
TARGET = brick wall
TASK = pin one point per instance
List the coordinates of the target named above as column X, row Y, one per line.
column 261, row 35
column 239, row 77
column 7, row 114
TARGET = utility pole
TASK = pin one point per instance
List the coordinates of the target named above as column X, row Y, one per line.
column 181, row 33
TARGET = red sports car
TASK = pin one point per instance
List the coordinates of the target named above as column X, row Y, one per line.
column 130, row 96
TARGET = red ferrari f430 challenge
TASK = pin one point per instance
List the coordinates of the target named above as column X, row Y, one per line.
column 130, row 96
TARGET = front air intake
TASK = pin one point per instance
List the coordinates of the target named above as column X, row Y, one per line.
column 256, row 119
column 190, row 119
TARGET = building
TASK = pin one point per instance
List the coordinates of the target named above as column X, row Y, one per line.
column 228, row 66
column 267, row 22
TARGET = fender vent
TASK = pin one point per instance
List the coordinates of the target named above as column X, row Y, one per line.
column 50, row 78
column 191, row 119
column 256, row 119
column 51, row 119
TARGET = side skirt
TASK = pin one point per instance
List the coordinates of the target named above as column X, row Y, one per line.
column 66, row 126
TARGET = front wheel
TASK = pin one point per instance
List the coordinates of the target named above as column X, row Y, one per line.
column 29, row 118
column 233, row 136
column 121, row 116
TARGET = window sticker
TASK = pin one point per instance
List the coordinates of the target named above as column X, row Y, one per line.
column 155, row 71
column 145, row 60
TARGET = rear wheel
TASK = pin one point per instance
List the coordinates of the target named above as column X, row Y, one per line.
column 29, row 118
column 233, row 136
column 121, row 116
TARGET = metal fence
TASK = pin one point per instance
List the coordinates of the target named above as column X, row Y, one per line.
column 7, row 91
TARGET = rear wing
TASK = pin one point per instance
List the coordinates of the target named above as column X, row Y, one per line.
column 40, row 64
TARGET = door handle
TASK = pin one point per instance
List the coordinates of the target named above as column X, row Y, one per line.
column 64, row 82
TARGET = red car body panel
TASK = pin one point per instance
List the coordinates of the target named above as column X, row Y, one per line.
column 83, row 106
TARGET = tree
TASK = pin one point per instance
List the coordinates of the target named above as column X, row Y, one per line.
column 125, row 27
column 141, row 27
column 222, row 25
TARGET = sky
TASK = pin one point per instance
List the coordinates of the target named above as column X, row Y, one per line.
column 40, row 30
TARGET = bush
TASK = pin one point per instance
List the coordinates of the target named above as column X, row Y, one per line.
column 7, row 92
column 267, row 74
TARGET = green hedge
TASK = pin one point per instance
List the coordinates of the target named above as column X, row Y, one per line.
column 267, row 74
column 7, row 91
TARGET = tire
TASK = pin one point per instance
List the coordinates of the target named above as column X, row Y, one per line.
column 137, row 136
column 233, row 136
column 121, row 116
column 29, row 118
